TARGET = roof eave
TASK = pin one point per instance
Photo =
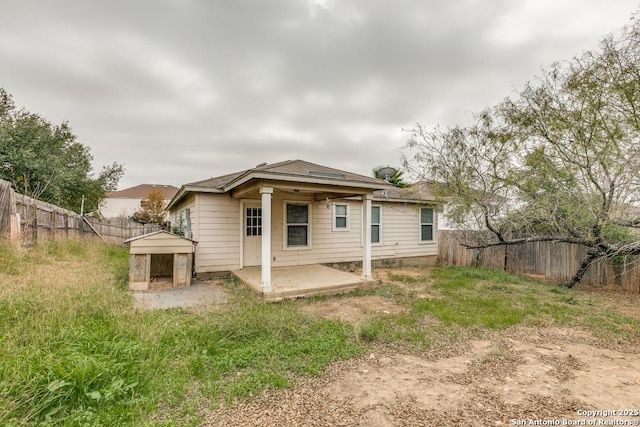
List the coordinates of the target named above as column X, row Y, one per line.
column 416, row 201
column 302, row 179
column 186, row 189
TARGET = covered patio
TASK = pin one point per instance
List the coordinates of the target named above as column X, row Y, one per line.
column 277, row 207
column 304, row 280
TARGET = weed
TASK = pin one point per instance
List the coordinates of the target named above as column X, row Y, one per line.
column 407, row 279
column 570, row 300
column 13, row 260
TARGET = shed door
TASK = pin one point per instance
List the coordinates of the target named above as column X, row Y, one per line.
column 252, row 245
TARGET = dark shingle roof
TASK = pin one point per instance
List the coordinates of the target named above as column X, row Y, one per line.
column 292, row 168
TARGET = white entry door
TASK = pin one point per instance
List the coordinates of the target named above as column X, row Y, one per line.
column 252, row 244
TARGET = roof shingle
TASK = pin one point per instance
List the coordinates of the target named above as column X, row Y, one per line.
column 299, row 168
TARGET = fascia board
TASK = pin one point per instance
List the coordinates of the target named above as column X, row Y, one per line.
column 301, row 179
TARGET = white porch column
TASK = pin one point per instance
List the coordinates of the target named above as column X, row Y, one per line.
column 366, row 235
column 266, row 193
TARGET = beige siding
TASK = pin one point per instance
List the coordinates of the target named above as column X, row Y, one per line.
column 188, row 203
column 400, row 234
column 217, row 221
column 218, row 238
column 160, row 243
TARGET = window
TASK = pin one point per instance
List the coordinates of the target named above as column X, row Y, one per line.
column 179, row 227
column 254, row 222
column 340, row 217
column 426, row 224
column 297, row 224
column 375, row 224
column 187, row 221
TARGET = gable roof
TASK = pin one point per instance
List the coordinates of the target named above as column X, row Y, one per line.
column 289, row 170
column 141, row 191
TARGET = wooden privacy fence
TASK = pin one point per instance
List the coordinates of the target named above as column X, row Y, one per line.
column 29, row 220
column 556, row 262
column 117, row 230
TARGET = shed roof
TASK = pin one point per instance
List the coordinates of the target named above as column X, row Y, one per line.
column 155, row 234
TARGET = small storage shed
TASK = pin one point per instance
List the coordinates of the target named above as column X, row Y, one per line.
column 158, row 260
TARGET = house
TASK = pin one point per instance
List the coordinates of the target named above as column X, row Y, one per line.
column 296, row 213
column 125, row 202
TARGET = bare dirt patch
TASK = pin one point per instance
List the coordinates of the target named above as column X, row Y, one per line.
column 352, row 309
column 406, row 277
column 491, row 379
column 521, row 374
column 355, row 309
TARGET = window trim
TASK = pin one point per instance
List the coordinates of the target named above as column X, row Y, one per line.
column 379, row 224
column 362, row 226
column 257, row 227
column 432, row 224
column 285, row 224
column 334, row 216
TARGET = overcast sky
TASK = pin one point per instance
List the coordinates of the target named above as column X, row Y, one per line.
column 181, row 90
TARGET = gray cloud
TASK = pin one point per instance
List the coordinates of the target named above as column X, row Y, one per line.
column 183, row 90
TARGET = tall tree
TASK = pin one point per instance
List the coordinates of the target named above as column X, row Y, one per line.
column 560, row 162
column 152, row 209
column 44, row 161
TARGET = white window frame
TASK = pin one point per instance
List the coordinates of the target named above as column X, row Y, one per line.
column 362, row 227
column 285, row 224
column 334, row 227
column 379, row 224
column 257, row 227
column 432, row 224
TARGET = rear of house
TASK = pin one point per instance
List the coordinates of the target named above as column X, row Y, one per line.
column 317, row 215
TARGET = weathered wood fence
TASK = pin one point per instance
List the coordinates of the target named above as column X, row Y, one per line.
column 29, row 220
column 556, row 262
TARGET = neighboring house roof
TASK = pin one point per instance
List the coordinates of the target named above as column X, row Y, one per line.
column 141, row 191
column 289, row 170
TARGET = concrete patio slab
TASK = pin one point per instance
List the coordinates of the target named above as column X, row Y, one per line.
column 198, row 294
column 304, row 280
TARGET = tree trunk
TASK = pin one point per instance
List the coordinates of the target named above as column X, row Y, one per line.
column 592, row 255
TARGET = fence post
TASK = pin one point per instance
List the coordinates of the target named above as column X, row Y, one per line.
column 35, row 223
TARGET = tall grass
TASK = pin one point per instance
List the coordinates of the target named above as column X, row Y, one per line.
column 74, row 351
column 67, row 351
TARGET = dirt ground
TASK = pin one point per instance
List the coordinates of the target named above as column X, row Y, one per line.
column 521, row 376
